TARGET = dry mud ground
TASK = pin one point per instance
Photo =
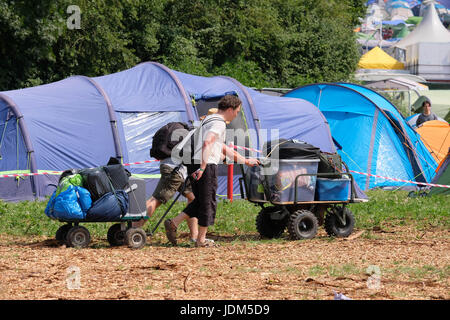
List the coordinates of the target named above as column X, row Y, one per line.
column 400, row 263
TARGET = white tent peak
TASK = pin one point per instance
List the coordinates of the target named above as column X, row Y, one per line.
column 430, row 29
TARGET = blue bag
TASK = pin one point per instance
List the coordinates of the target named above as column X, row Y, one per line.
column 70, row 204
column 84, row 198
column 66, row 206
column 110, row 207
column 49, row 208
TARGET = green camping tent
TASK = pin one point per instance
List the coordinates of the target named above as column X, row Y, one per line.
column 442, row 177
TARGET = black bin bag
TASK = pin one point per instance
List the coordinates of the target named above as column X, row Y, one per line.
column 101, row 180
column 118, row 175
column 96, row 181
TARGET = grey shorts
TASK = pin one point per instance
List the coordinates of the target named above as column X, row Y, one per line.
column 171, row 182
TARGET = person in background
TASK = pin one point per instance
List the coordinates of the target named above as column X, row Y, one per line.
column 426, row 114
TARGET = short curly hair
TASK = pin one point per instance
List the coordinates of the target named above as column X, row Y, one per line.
column 229, row 101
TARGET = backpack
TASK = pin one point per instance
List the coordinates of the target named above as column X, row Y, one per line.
column 162, row 143
column 186, row 151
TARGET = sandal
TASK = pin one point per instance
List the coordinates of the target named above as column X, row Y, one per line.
column 193, row 241
column 171, row 231
column 208, row 243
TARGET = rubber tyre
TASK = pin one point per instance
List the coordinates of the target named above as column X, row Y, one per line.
column 115, row 236
column 268, row 227
column 135, row 238
column 61, row 233
column 334, row 226
column 302, row 225
column 78, row 237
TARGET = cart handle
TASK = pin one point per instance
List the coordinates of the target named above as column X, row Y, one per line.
column 245, row 183
column 241, row 189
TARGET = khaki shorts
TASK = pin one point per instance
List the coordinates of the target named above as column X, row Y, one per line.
column 171, row 182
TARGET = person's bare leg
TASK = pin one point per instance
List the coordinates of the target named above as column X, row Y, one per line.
column 193, row 228
column 201, row 238
column 180, row 218
column 192, row 222
column 152, row 204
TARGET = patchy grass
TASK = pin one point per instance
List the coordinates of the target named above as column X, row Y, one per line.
column 395, row 208
column 386, row 209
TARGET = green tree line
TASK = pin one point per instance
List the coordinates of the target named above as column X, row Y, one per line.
column 261, row 43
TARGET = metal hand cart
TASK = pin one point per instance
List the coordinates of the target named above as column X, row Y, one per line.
column 299, row 210
column 120, row 233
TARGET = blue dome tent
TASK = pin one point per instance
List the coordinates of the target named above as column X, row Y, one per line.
column 81, row 122
column 374, row 136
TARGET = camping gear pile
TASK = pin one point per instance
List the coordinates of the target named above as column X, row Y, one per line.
column 94, row 194
column 98, row 194
column 302, row 184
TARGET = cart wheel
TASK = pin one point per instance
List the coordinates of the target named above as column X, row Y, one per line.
column 116, row 236
column 302, row 224
column 61, row 233
column 268, row 227
column 78, row 237
column 135, row 238
column 339, row 222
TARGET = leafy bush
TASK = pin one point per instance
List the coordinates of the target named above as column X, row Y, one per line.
column 260, row 43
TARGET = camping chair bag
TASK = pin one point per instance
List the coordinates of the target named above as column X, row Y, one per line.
column 330, row 163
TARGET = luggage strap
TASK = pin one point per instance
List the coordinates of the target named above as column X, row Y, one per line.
column 122, row 209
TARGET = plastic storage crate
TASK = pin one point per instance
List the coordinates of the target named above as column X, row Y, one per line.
column 332, row 189
column 281, row 184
